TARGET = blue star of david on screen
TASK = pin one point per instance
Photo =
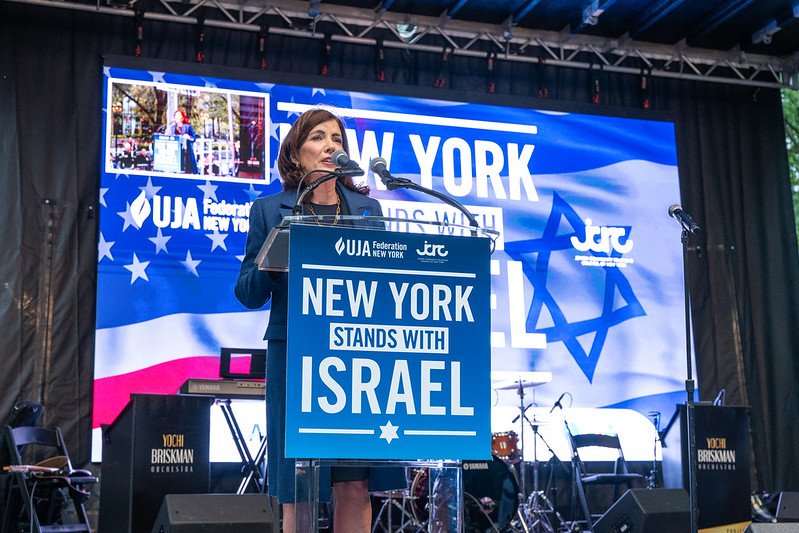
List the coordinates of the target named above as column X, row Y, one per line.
column 535, row 254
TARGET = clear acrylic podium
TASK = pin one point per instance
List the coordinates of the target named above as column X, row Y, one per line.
column 444, row 507
column 274, row 253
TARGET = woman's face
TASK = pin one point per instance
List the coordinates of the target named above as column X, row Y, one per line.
column 178, row 116
column 317, row 148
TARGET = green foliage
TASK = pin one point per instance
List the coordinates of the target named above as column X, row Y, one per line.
column 790, row 111
column 208, row 111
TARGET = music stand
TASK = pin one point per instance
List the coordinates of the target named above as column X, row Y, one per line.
column 257, row 365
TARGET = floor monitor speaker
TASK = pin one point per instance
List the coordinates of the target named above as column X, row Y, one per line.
column 647, row 511
column 770, row 528
column 216, row 513
column 788, row 507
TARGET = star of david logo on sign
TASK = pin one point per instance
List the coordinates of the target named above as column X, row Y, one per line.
column 389, row 432
column 617, row 300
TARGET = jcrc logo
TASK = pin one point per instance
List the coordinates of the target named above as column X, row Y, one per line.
column 433, row 250
column 603, row 239
column 353, row 247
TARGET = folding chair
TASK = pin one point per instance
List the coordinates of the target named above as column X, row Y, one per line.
column 35, row 494
column 24, row 413
column 582, row 478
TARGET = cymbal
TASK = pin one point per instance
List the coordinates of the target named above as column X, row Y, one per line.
column 509, row 379
column 523, row 383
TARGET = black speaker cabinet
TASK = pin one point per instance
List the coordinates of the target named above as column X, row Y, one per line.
column 647, row 511
column 723, row 484
column 216, row 513
column 158, row 445
column 770, row 528
column 788, row 507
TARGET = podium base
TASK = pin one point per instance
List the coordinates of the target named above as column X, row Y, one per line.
column 444, row 487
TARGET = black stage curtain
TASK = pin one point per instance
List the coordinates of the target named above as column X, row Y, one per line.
column 744, row 266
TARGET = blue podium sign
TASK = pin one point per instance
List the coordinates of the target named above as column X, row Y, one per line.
column 166, row 153
column 388, row 345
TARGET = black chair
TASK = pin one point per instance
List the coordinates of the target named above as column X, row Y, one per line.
column 582, row 478
column 36, row 492
column 24, row 413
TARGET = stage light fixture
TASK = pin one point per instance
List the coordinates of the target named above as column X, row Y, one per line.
column 406, row 30
column 765, row 34
column 591, row 13
column 507, row 27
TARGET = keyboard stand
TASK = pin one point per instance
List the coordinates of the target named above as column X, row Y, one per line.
column 249, row 464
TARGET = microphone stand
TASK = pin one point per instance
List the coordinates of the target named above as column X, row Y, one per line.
column 335, row 174
column 652, row 478
column 690, row 421
column 403, row 183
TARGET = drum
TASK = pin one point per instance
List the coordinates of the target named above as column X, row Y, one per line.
column 490, row 495
column 419, row 492
column 505, row 445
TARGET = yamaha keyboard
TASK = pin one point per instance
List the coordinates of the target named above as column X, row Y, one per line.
column 225, row 388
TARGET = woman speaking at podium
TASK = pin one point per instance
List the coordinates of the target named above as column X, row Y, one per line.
column 183, row 129
column 308, row 146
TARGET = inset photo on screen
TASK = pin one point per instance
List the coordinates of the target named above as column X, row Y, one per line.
column 183, row 131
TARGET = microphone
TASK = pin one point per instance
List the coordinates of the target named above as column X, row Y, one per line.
column 379, row 166
column 683, row 218
column 557, row 403
column 343, row 161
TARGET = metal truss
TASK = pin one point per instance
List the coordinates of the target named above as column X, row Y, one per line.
column 370, row 27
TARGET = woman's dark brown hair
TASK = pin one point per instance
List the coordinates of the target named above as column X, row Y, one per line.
column 296, row 137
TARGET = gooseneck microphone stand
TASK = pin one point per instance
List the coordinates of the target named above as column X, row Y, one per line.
column 378, row 166
column 397, row 183
column 302, row 193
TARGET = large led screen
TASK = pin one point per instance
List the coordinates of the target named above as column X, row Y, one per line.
column 586, row 275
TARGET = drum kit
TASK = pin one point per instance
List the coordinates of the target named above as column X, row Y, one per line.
column 495, row 493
